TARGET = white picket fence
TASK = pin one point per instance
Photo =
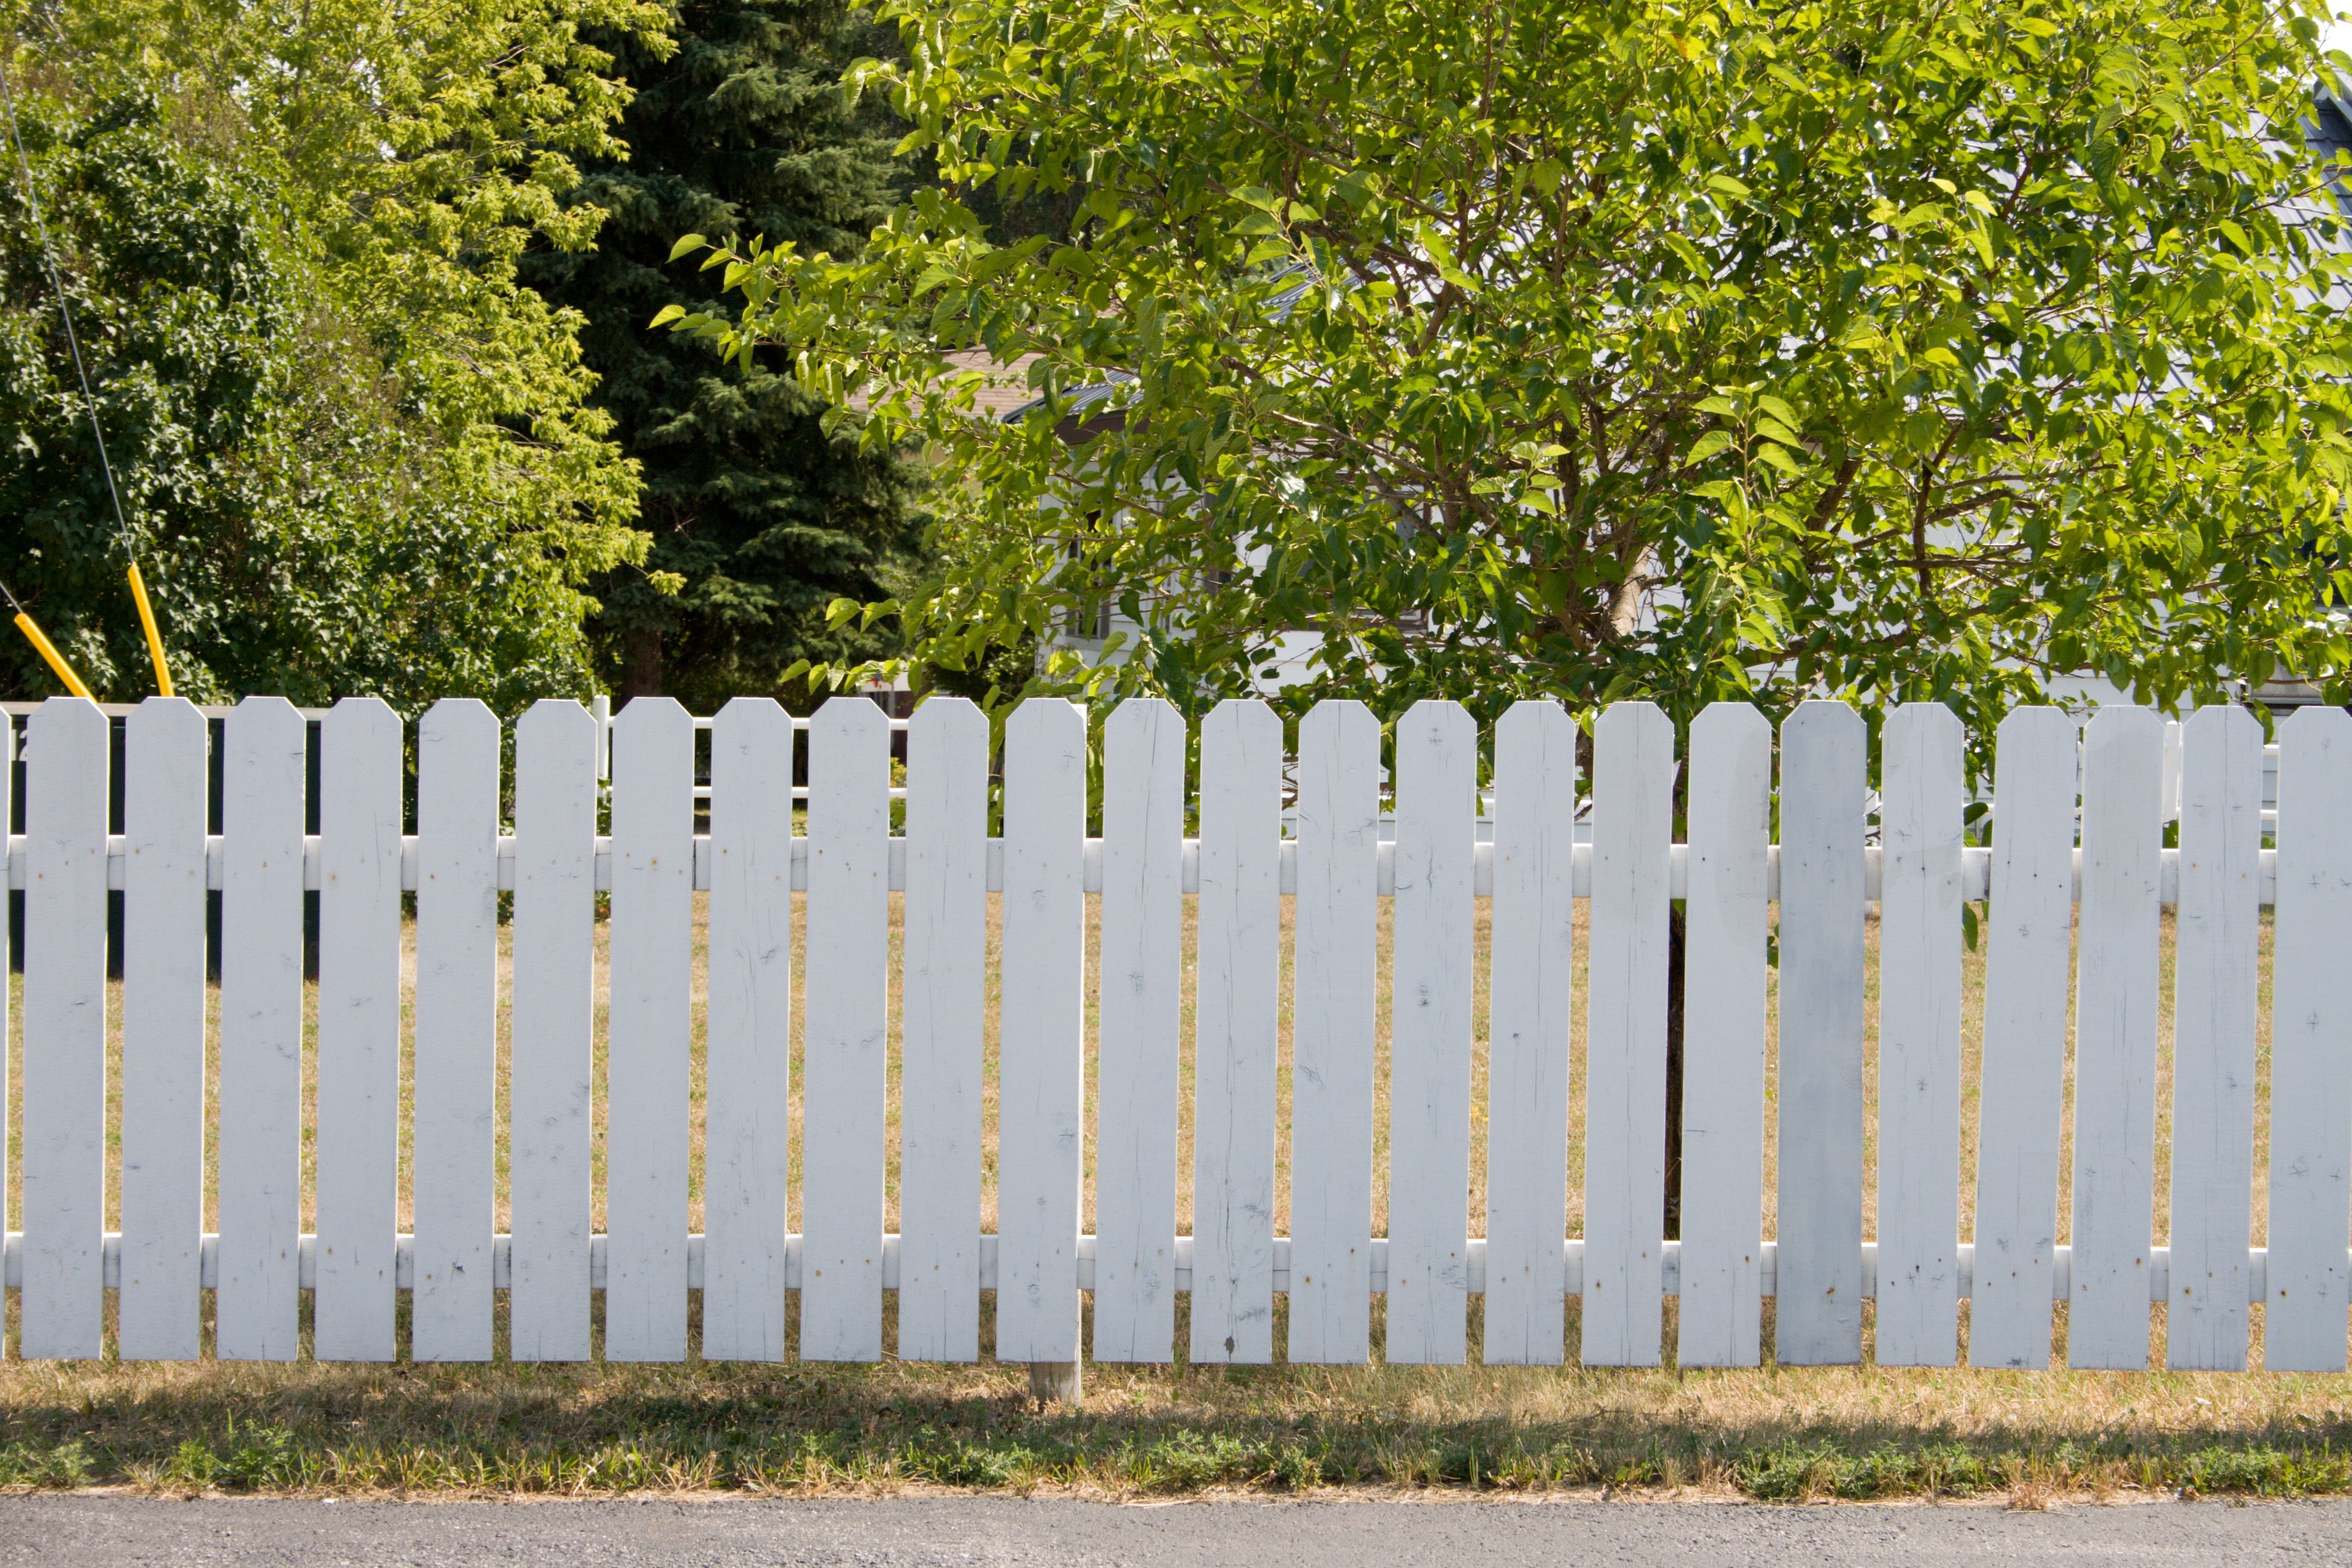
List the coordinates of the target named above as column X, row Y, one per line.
column 1822, row 874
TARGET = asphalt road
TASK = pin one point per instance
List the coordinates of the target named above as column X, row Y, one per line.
column 250, row 1533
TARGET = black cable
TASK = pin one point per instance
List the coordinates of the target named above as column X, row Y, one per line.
column 73, row 342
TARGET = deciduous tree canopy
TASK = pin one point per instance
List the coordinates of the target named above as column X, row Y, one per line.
column 1614, row 347
column 356, row 454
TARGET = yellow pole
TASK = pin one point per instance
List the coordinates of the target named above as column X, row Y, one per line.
column 48, row 650
column 154, row 637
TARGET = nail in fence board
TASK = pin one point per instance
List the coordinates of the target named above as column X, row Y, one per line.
column 1818, row 1303
column 2311, row 1049
column 945, row 974
column 2115, row 1043
column 1041, row 1077
column 846, row 1066
column 165, row 748
column 1428, row 1059
column 748, row 1031
column 1336, row 930
column 360, row 821
column 1529, row 998
column 1625, row 1037
column 257, row 1306
column 2215, row 997
column 1141, row 969
column 64, row 1219
column 1725, row 929
column 2028, row 930
column 1920, row 1038
column 554, row 979
column 1236, row 1053
column 456, row 1092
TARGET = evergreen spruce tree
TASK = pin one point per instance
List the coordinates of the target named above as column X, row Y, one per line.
column 759, row 519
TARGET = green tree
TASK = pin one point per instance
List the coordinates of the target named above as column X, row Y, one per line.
column 759, row 519
column 356, row 454
column 1615, row 349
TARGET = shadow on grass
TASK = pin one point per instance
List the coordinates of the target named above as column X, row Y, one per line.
column 568, row 1430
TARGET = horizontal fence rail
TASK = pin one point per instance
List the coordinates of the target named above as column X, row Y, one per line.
column 893, row 1252
column 1976, row 868
column 1287, row 848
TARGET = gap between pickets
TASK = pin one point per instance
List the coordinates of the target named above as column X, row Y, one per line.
column 2061, row 1284
column 1976, row 868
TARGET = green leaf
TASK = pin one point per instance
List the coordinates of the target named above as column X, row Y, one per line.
column 686, row 243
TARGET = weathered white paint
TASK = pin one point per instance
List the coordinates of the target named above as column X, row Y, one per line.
column 1818, row 1304
column 1625, row 1036
column 165, row 754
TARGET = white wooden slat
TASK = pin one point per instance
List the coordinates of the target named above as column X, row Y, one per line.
column 257, row 1307
column 361, row 764
column 2215, row 1000
column 2115, row 1041
column 2028, row 933
column 1625, row 1037
column 165, row 754
column 552, row 1015
column 1920, row 830
column 748, row 1018
column 1041, row 1077
column 64, row 1298
column 2311, row 1049
column 846, row 1083
column 1818, row 1303
column 1429, row 1056
column 1237, row 1036
column 454, row 1166
column 1531, row 972
column 1138, row 1085
column 647, row 1026
column 943, row 976
column 1335, row 930
column 1726, row 927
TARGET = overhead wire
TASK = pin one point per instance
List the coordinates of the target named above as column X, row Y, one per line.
column 24, row 622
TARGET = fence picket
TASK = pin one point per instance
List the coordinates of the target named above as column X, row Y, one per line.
column 257, row 1304
column 1634, row 800
column 1818, row 1305
column 1236, row 1038
column 945, row 974
column 64, row 1218
column 846, row 1061
column 454, row 1164
column 548, row 1100
column 2215, row 1001
column 1726, row 927
column 1625, row 1037
column 1920, row 1038
column 1336, row 931
column 2115, row 1041
column 1141, row 968
column 2311, row 1077
column 357, row 1134
column 748, row 1032
column 2029, row 924
column 1041, row 1077
column 1429, row 1056
column 650, row 975
column 1530, row 997
column 165, row 782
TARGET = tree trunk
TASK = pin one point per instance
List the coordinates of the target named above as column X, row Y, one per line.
column 1674, row 945
column 641, row 674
